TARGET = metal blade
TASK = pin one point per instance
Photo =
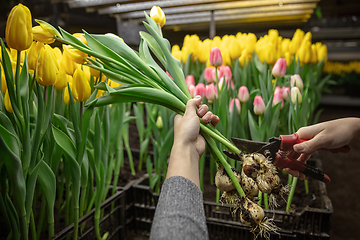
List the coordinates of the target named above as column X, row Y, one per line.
column 232, row 155
column 248, row 145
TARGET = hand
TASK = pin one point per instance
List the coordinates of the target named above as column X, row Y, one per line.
column 329, row 135
column 189, row 145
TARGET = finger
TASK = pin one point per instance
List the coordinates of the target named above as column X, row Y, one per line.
column 296, row 174
column 207, row 117
column 192, row 104
column 304, row 157
column 214, row 120
column 177, row 118
column 202, row 110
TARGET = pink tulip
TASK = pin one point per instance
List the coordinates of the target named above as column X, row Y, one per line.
column 225, row 71
column 259, row 105
column 296, row 81
column 278, row 97
column 285, row 93
column 209, row 74
column 237, row 105
column 190, row 80
column 211, row 92
column 215, row 57
column 279, row 68
column 200, row 89
column 192, row 90
column 243, row 94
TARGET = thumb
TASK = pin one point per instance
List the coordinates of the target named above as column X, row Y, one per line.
column 308, row 147
column 191, row 106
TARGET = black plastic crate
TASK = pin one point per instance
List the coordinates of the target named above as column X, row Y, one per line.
column 310, row 223
column 114, row 215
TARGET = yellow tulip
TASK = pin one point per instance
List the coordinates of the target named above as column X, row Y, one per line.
column 158, row 15
column 296, row 41
column 67, row 63
column 61, row 79
column 204, row 50
column 81, row 37
column 75, row 55
column 114, row 84
column 7, row 102
column 288, row 57
column 99, row 93
column 18, row 32
column 313, row 59
column 304, row 53
column 33, row 53
column 66, row 93
column 308, row 37
column 81, row 86
column 42, row 36
column 321, row 52
column 13, row 57
column 273, row 36
column 270, row 54
column 250, row 43
column 245, row 57
column 176, row 52
column 46, row 67
column 285, row 45
column 235, row 49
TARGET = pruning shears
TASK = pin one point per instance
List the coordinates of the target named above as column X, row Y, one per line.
column 282, row 155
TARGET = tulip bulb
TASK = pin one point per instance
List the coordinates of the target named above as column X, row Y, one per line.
column 223, row 181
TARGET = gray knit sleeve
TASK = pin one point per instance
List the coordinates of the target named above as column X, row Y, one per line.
column 180, row 211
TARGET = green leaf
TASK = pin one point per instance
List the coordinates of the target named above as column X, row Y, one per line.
column 10, row 140
column 71, row 39
column 64, row 142
column 254, row 129
column 154, row 46
column 47, row 181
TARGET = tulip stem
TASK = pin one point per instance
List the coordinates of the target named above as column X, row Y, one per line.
column 17, row 81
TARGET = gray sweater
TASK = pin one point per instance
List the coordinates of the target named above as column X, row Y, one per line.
column 180, row 212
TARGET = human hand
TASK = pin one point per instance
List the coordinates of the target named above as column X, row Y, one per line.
column 189, row 145
column 187, row 127
column 329, row 135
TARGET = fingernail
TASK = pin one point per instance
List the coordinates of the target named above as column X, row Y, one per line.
column 206, row 118
column 201, row 110
column 197, row 97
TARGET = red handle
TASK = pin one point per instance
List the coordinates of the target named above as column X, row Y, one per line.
column 288, row 141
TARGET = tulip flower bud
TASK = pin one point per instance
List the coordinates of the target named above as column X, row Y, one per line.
column 159, row 123
column 75, row 55
column 215, row 57
column 200, row 89
column 209, row 75
column 204, row 50
column 321, row 52
column 245, row 57
column 18, row 32
column 259, row 105
column 235, row 49
column 225, row 71
column 7, row 102
column 296, row 81
column 61, row 79
column 42, row 36
column 46, row 67
column 296, row 95
column 235, row 101
column 278, row 97
column 81, row 86
column 285, row 93
column 67, row 63
column 190, row 80
column 176, row 53
column 211, row 92
column 192, row 90
column 157, row 14
column 243, row 94
column 279, row 68
column 167, row 73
